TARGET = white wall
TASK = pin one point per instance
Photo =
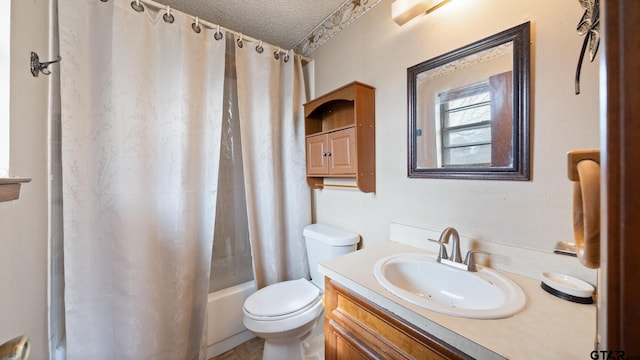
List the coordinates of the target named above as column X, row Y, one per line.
column 5, row 41
column 23, row 222
column 376, row 51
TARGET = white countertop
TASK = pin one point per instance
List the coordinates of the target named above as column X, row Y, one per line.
column 547, row 328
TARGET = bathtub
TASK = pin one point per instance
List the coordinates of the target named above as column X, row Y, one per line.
column 224, row 318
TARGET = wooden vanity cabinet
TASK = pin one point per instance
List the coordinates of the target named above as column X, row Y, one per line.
column 340, row 136
column 356, row 329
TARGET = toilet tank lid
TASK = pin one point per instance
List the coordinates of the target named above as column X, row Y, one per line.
column 331, row 235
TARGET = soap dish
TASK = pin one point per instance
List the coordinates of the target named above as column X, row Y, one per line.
column 567, row 287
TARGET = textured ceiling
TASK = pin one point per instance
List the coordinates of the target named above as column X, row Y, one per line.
column 281, row 23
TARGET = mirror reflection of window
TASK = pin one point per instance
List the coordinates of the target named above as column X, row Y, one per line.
column 470, row 118
column 458, row 80
column 465, row 126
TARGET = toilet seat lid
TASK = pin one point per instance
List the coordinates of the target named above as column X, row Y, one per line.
column 282, row 298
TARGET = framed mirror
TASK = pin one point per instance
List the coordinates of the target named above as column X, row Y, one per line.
column 469, row 110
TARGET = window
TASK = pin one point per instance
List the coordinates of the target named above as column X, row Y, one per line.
column 465, row 126
column 5, row 22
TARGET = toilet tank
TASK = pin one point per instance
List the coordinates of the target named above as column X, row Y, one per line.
column 325, row 242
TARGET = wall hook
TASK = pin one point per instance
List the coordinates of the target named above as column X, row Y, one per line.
column 38, row 67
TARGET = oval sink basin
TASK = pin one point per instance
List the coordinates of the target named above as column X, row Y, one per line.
column 422, row 281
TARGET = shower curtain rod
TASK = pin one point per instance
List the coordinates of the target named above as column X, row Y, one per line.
column 212, row 26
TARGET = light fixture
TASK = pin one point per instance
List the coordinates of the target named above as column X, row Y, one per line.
column 405, row 10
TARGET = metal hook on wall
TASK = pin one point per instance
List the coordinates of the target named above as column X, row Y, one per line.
column 38, row 67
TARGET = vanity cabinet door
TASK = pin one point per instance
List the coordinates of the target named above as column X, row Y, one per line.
column 357, row 329
column 344, row 346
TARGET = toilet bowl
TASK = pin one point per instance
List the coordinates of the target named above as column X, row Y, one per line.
column 285, row 313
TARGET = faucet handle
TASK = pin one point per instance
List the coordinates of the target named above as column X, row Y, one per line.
column 470, row 260
column 442, row 254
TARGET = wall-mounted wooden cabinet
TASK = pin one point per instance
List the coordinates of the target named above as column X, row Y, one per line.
column 340, row 130
column 10, row 188
column 357, row 329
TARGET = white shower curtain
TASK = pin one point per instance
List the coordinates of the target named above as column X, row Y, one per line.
column 141, row 112
column 271, row 93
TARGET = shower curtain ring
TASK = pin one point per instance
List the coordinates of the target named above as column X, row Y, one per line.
column 218, row 34
column 196, row 25
column 137, row 6
column 286, row 56
column 276, row 54
column 259, row 48
column 240, row 43
column 168, row 17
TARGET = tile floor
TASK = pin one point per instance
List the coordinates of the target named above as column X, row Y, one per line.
column 312, row 348
column 250, row 350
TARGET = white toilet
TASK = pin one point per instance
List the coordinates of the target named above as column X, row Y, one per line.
column 283, row 314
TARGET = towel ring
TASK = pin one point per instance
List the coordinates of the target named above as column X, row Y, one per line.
column 586, row 213
column 17, row 349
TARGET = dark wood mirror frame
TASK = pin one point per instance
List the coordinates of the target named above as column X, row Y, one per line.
column 520, row 167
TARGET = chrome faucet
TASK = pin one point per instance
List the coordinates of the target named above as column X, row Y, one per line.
column 455, row 259
column 455, row 243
